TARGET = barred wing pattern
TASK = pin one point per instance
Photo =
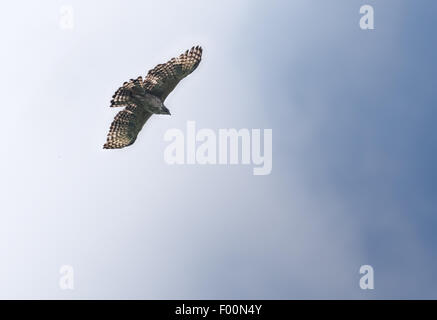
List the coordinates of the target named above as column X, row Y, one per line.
column 162, row 79
column 126, row 126
column 124, row 95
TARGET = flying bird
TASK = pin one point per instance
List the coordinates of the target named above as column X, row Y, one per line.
column 142, row 98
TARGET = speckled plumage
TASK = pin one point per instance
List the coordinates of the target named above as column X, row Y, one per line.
column 142, row 98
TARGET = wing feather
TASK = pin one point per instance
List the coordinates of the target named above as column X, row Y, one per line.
column 162, row 79
column 124, row 95
column 126, row 126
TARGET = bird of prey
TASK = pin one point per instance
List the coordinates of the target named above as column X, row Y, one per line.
column 142, row 98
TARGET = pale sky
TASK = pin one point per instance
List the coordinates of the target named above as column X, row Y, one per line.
column 353, row 180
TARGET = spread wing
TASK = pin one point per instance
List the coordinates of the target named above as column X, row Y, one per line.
column 124, row 95
column 126, row 126
column 162, row 79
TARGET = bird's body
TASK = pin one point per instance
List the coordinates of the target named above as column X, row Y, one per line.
column 142, row 98
column 150, row 103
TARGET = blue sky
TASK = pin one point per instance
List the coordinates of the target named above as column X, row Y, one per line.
column 353, row 179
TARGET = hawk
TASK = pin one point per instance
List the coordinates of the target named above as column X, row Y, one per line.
column 142, row 98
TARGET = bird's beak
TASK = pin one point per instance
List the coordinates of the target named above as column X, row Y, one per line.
column 166, row 111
